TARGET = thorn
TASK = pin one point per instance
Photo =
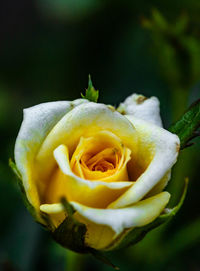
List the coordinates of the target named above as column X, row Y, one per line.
column 194, row 104
column 187, row 145
column 195, row 134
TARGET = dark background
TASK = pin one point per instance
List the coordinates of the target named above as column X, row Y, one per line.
column 47, row 50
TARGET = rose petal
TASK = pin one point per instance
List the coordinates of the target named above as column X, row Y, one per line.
column 91, row 193
column 104, row 225
column 160, row 150
column 160, row 185
column 55, row 211
column 137, row 215
column 138, row 106
column 37, row 123
column 84, row 120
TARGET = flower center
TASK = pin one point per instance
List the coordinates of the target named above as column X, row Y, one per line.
column 103, row 161
column 99, row 157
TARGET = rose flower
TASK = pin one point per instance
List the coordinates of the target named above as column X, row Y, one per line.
column 110, row 166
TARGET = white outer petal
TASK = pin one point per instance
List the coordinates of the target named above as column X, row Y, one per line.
column 138, row 215
column 166, row 147
column 38, row 121
column 147, row 109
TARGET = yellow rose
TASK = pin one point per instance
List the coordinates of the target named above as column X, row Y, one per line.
column 111, row 165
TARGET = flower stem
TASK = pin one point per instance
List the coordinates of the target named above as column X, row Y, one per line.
column 183, row 167
column 74, row 261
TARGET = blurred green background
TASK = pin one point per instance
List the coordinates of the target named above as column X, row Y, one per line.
column 47, row 50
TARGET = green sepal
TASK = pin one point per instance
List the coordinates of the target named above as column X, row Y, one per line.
column 101, row 257
column 47, row 223
column 71, row 233
column 186, row 128
column 29, row 207
column 91, row 93
column 132, row 236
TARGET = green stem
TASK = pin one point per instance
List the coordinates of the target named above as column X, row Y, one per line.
column 74, row 261
column 183, row 167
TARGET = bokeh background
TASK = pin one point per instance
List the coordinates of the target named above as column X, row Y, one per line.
column 47, row 50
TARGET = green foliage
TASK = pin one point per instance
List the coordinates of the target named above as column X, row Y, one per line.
column 91, row 94
column 29, row 207
column 68, row 207
column 135, row 235
column 177, row 48
column 14, row 169
column 187, row 126
column 71, row 233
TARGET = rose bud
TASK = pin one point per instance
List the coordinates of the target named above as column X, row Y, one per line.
column 94, row 175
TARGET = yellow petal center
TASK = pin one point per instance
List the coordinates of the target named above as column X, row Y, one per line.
column 95, row 174
column 100, row 157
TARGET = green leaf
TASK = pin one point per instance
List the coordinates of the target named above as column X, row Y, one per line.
column 15, row 170
column 71, row 233
column 186, row 128
column 132, row 236
column 91, row 94
column 159, row 19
